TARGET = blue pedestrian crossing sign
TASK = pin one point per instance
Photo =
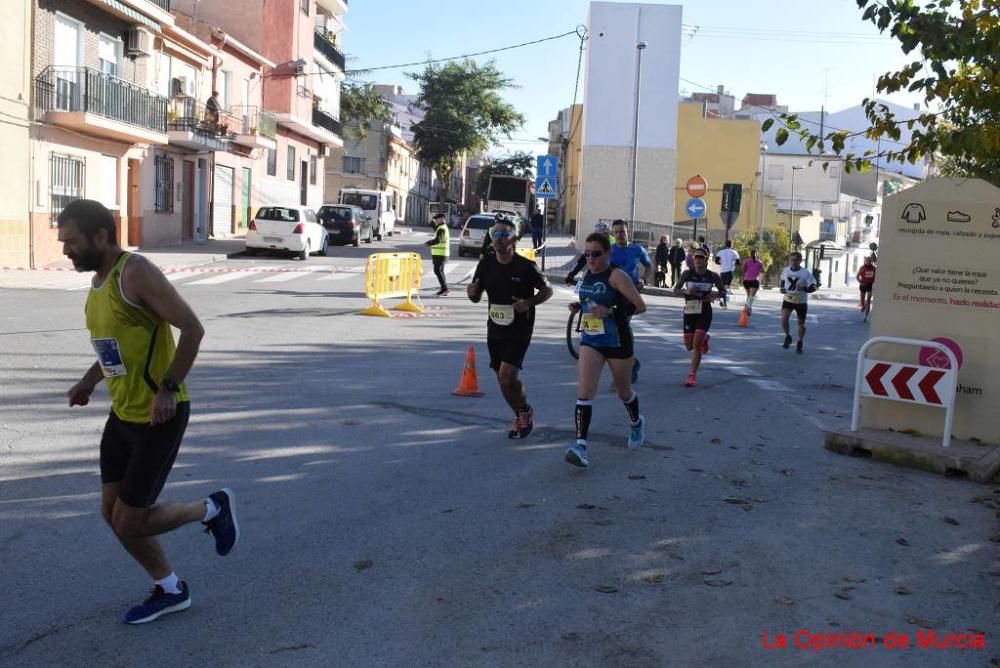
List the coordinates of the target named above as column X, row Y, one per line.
column 546, row 187
column 695, row 207
column 547, row 165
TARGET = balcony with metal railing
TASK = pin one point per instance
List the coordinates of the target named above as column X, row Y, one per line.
column 324, row 120
column 162, row 4
column 99, row 104
column 192, row 125
column 325, row 45
column 256, row 128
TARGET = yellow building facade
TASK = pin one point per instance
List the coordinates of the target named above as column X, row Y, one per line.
column 721, row 151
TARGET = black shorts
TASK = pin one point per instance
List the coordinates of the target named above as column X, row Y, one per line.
column 866, row 287
column 695, row 322
column 751, row 284
column 622, row 352
column 727, row 278
column 139, row 456
column 800, row 309
column 511, row 351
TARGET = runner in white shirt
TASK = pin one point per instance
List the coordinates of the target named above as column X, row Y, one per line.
column 727, row 259
column 796, row 284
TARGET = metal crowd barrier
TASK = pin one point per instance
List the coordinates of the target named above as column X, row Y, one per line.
column 392, row 275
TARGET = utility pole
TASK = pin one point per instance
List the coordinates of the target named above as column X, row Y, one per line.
column 640, row 47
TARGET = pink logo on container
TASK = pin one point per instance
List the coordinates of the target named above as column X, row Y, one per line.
column 935, row 358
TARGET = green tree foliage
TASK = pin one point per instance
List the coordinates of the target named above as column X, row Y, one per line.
column 519, row 164
column 360, row 106
column 955, row 46
column 464, row 112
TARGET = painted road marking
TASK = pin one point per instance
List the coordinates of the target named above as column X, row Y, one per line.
column 214, row 280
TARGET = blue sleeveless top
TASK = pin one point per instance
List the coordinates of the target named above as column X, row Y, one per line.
column 604, row 332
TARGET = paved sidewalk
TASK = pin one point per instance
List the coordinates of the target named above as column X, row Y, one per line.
column 169, row 258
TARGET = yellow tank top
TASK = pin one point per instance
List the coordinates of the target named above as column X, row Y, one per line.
column 134, row 346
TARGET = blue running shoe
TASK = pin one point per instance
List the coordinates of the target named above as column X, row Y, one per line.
column 159, row 603
column 637, row 434
column 577, row 456
column 635, row 372
column 224, row 526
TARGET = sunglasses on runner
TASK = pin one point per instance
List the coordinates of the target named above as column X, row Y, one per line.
column 501, row 234
column 593, row 253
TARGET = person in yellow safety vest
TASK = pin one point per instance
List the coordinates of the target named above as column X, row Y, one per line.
column 439, row 250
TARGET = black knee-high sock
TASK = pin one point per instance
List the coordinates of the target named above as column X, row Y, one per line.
column 632, row 406
column 584, row 410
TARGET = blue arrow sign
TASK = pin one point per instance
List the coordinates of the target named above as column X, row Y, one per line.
column 695, row 207
column 546, row 187
column 547, row 165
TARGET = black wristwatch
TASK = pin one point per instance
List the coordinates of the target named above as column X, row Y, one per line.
column 170, row 385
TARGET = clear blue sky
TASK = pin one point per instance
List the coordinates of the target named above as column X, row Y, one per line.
column 799, row 50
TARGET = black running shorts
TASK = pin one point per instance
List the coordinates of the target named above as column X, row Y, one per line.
column 866, row 287
column 800, row 309
column 751, row 284
column 695, row 322
column 511, row 351
column 727, row 278
column 139, row 456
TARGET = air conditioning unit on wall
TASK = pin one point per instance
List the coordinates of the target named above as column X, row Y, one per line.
column 139, row 42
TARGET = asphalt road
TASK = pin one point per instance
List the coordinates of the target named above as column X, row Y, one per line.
column 387, row 522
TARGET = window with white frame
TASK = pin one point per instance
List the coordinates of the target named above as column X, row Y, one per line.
column 108, row 184
column 272, row 162
column 67, row 180
column 222, row 85
column 353, row 165
column 312, row 169
column 290, row 166
column 163, row 75
column 109, row 51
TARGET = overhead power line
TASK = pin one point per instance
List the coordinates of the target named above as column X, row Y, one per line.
column 429, row 61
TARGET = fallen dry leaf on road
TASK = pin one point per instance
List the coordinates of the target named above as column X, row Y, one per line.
column 951, row 520
column 363, row 564
column 903, row 541
column 718, row 583
column 920, row 621
column 784, row 600
column 606, row 589
column 902, row 591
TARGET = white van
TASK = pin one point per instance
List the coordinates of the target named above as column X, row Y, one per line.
column 377, row 205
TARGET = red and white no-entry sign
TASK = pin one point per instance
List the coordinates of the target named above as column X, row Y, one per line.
column 697, row 186
column 905, row 382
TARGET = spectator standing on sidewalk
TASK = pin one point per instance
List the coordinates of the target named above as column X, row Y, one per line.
column 537, row 229
column 676, row 257
column 439, row 250
column 662, row 260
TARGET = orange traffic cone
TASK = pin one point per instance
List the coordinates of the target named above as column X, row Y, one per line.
column 744, row 318
column 468, row 386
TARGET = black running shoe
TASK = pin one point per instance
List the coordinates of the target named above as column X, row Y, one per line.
column 798, row 348
column 788, row 341
column 224, row 526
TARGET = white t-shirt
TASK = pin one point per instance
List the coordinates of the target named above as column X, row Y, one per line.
column 795, row 283
column 727, row 259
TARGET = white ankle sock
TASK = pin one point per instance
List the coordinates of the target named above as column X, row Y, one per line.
column 211, row 510
column 171, row 584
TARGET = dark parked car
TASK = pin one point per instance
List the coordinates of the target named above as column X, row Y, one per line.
column 345, row 224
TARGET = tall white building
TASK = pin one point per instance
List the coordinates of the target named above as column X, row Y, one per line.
column 615, row 30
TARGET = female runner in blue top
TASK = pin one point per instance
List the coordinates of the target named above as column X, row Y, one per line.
column 608, row 298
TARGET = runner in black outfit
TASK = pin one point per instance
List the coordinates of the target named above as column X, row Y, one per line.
column 514, row 286
column 697, row 284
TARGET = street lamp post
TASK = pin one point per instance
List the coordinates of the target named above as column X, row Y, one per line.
column 760, row 194
column 640, row 47
column 791, row 209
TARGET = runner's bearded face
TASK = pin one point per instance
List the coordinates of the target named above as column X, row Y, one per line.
column 81, row 251
column 597, row 258
column 503, row 240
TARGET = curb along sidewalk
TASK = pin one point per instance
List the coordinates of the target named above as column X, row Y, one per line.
column 169, row 259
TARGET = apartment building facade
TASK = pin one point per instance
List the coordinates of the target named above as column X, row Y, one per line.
column 15, row 119
column 301, row 39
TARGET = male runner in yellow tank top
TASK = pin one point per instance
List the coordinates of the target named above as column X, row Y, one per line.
column 130, row 309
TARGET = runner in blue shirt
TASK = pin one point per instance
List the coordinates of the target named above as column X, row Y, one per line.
column 627, row 256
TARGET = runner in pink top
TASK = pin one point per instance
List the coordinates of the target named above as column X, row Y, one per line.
column 752, row 269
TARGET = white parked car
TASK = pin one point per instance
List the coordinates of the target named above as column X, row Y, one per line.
column 293, row 229
column 473, row 233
